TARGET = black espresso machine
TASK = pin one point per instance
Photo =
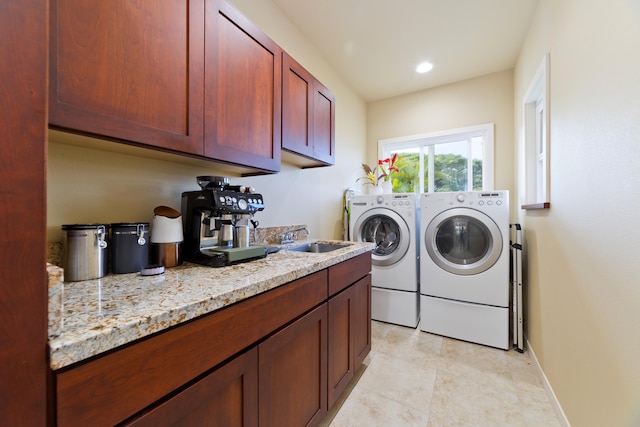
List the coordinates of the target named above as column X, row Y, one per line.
column 215, row 221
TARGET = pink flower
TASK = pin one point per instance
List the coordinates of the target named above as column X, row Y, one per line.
column 386, row 173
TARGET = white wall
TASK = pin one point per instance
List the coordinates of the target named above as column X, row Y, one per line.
column 100, row 185
column 583, row 291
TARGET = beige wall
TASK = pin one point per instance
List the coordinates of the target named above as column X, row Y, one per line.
column 583, row 313
column 100, row 185
column 486, row 99
column 583, row 295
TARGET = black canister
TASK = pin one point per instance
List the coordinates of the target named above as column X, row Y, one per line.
column 129, row 247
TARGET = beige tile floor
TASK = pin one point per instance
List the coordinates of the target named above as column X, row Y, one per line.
column 412, row 378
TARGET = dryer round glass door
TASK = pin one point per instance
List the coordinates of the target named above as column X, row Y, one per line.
column 388, row 231
column 463, row 241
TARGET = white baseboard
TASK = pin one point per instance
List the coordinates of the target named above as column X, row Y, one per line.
column 552, row 396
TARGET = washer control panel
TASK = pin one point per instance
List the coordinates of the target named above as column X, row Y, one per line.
column 465, row 199
column 490, row 198
column 399, row 200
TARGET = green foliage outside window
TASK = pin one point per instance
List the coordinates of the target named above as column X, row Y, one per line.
column 450, row 173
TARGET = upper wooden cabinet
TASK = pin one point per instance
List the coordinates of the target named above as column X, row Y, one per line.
column 129, row 70
column 193, row 77
column 242, row 95
column 308, row 117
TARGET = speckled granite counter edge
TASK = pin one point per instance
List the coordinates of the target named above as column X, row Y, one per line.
column 103, row 314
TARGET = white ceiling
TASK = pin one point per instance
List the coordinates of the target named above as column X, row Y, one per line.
column 376, row 44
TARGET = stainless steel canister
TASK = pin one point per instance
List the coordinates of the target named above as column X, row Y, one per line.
column 85, row 251
column 129, row 247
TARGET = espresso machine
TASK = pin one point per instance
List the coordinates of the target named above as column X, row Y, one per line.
column 216, row 223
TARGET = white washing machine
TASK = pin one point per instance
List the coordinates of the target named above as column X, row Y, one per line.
column 464, row 266
column 391, row 221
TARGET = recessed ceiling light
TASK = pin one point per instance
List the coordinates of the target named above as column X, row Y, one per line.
column 424, row 67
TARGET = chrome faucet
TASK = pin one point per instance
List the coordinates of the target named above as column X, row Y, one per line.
column 287, row 237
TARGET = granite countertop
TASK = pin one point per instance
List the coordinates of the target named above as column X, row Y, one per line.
column 102, row 314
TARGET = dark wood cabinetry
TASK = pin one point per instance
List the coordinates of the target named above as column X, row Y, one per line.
column 292, row 373
column 361, row 324
column 229, row 395
column 341, row 368
column 130, row 71
column 194, row 77
column 273, row 359
column 349, row 324
column 308, row 117
column 242, row 90
column 23, row 292
column 324, row 132
column 116, row 386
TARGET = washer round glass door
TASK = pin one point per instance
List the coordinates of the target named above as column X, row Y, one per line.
column 388, row 231
column 463, row 241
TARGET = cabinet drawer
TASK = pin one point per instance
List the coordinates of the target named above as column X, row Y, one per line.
column 347, row 272
column 113, row 387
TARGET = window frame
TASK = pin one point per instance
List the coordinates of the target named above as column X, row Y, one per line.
column 536, row 139
column 428, row 141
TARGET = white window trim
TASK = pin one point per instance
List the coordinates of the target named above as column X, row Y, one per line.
column 449, row 135
column 536, row 136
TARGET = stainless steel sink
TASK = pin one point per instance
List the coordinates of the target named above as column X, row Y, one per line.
column 316, row 247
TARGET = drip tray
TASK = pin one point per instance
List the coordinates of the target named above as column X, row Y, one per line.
column 235, row 255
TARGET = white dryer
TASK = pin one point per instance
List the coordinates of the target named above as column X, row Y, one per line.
column 464, row 266
column 391, row 221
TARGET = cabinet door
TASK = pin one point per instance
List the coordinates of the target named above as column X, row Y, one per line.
column 293, row 373
column 349, row 338
column 361, row 321
column 227, row 397
column 129, row 70
column 297, row 111
column 308, row 116
column 243, row 81
column 323, row 124
column 340, row 344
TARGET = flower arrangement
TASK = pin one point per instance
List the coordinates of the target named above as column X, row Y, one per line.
column 391, row 168
column 385, row 171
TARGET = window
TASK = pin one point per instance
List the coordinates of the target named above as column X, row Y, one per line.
column 450, row 160
column 536, row 138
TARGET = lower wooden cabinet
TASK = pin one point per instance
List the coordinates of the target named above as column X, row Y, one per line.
column 293, row 373
column 280, row 358
column 361, row 324
column 226, row 397
column 340, row 363
column 349, row 335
